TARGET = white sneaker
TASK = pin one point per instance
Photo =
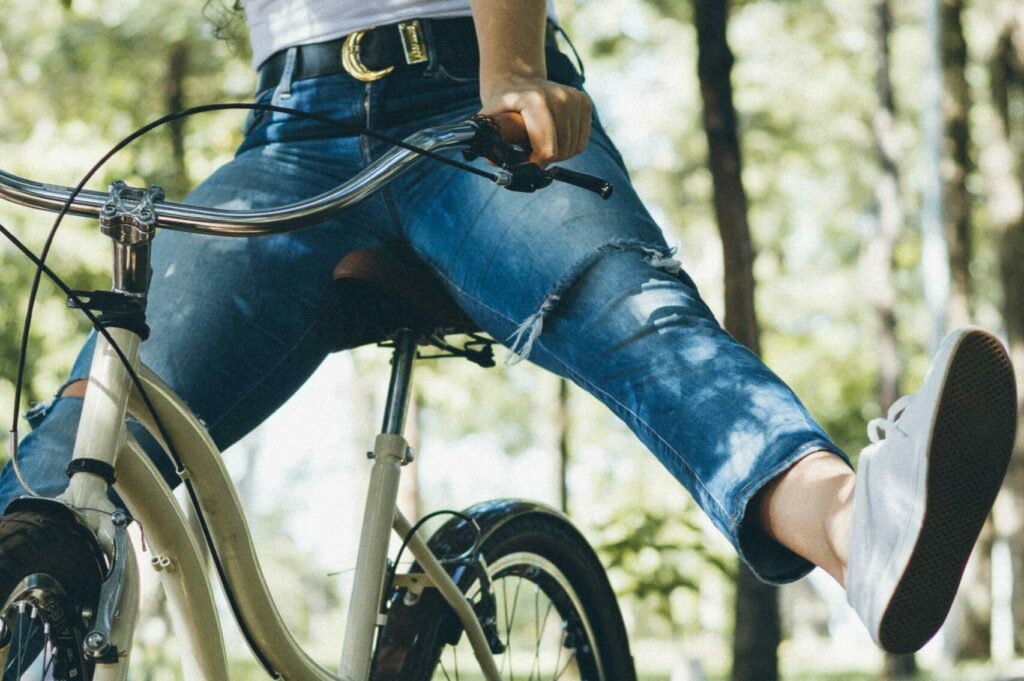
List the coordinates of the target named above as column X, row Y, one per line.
column 924, row 488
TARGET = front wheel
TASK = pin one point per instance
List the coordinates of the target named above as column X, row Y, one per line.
column 549, row 612
column 51, row 570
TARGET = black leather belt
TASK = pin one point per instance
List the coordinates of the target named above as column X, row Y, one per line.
column 374, row 53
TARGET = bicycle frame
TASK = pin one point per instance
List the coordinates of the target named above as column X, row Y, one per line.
column 176, row 551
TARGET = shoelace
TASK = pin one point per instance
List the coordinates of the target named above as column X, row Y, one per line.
column 880, row 427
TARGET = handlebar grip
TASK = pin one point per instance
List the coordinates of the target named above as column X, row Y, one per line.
column 512, row 128
column 602, row 188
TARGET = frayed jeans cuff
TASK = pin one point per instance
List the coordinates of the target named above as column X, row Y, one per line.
column 769, row 560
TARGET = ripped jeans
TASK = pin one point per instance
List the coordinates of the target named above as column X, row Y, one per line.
column 584, row 287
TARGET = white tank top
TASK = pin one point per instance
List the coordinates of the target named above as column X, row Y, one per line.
column 277, row 24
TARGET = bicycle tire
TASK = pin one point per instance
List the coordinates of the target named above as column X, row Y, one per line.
column 51, row 570
column 544, row 551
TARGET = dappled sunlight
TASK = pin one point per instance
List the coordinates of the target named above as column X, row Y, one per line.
column 740, row 453
column 78, row 75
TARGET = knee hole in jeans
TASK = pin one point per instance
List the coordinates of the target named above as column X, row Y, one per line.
column 74, row 389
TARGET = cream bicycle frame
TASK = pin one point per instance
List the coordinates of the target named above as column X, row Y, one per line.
column 176, row 551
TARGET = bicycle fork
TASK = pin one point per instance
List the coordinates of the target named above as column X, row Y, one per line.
column 390, row 453
column 129, row 219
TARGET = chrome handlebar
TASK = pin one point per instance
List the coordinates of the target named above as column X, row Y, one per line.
column 287, row 218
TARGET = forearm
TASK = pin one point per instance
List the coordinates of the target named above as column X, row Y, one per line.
column 511, row 38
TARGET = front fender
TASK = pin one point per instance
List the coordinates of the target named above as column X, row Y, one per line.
column 457, row 536
column 51, row 508
column 415, row 628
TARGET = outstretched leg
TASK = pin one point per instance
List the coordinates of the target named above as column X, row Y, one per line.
column 589, row 290
column 899, row 535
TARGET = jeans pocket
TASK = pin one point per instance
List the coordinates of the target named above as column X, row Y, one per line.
column 455, row 76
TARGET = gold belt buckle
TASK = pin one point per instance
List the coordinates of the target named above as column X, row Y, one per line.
column 413, row 44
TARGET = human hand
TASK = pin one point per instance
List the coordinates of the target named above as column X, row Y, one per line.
column 557, row 117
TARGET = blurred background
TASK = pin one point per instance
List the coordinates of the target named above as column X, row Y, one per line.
column 842, row 179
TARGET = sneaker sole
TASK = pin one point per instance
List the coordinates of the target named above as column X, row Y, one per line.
column 969, row 453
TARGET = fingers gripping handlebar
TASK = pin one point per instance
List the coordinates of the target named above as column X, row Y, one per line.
column 502, row 140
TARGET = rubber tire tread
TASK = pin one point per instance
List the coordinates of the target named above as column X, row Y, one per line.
column 33, row 543
column 555, row 539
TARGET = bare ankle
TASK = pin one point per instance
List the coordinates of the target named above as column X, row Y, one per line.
column 807, row 509
column 836, row 527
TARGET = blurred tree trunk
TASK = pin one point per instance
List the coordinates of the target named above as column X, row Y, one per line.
column 564, row 424
column 973, row 610
column 1004, row 174
column 174, row 96
column 881, row 248
column 934, row 249
column 714, row 65
column 957, row 159
column 880, row 251
column 757, row 632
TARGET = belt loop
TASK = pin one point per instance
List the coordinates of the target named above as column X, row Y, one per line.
column 284, row 86
column 433, row 60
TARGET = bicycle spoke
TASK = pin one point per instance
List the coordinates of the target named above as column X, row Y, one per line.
column 504, row 607
column 31, row 649
column 34, row 623
column 561, row 647
column 20, row 624
column 567, row 663
column 46, row 665
column 540, row 636
column 535, row 666
column 6, row 633
column 23, row 640
column 508, row 632
column 445, row 670
column 10, row 662
column 41, row 619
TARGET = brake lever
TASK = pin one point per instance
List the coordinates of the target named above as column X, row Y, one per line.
column 488, row 144
column 522, row 175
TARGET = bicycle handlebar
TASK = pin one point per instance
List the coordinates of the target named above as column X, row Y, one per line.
column 477, row 137
column 223, row 222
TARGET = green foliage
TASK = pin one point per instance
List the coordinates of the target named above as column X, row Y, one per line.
column 657, row 554
column 464, row 399
column 74, row 78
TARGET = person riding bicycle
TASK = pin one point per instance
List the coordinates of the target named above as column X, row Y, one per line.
column 586, row 288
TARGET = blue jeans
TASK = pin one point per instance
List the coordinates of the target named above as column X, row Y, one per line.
column 585, row 288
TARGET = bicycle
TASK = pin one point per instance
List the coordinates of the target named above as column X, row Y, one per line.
column 68, row 573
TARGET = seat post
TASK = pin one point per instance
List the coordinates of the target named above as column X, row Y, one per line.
column 390, row 453
column 401, row 382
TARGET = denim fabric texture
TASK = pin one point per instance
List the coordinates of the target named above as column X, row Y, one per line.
column 586, row 288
